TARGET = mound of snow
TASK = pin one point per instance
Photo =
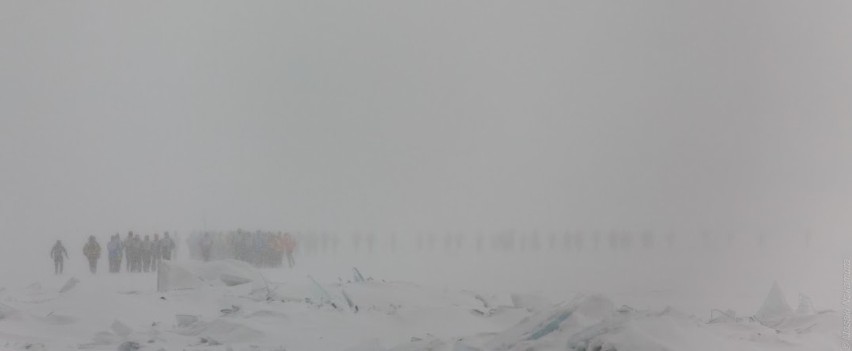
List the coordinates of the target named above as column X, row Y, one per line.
column 719, row 316
column 222, row 331
column 172, row 276
column 532, row 303
column 234, row 280
column 541, row 327
column 191, row 275
column 185, row 320
column 214, row 270
column 369, row 345
column 7, row 312
column 416, row 344
column 70, row 284
column 120, row 328
column 592, row 323
column 824, row 322
column 56, row 319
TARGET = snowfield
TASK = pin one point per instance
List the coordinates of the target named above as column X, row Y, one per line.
column 432, row 301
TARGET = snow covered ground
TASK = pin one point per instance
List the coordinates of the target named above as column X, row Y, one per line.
column 527, row 300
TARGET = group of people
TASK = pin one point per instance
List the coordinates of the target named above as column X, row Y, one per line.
column 140, row 254
column 259, row 248
column 144, row 253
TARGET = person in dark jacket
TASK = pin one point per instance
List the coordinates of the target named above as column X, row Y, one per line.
column 145, row 251
column 135, row 251
column 92, row 251
column 59, row 254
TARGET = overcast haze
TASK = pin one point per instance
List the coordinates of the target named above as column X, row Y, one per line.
column 425, row 116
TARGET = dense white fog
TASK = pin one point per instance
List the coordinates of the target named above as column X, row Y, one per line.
column 683, row 155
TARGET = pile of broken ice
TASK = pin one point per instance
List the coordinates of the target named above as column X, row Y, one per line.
column 229, row 305
column 593, row 323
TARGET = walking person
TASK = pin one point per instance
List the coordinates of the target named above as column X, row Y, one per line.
column 114, row 250
column 59, row 254
column 92, row 251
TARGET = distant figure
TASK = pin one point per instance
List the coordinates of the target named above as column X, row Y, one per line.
column 597, row 239
column 613, row 240
column 156, row 252
column 626, row 240
column 59, row 254
column 580, row 240
column 114, row 250
column 128, row 251
column 176, row 247
column 551, row 241
column 167, row 246
column 535, row 242
column 648, row 240
column 567, row 240
column 371, row 241
column 277, row 243
column 92, row 251
column 670, row 239
column 206, row 245
column 356, row 241
column 134, row 252
column 289, row 248
column 146, row 252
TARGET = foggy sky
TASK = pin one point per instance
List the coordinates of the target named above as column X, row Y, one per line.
column 438, row 115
